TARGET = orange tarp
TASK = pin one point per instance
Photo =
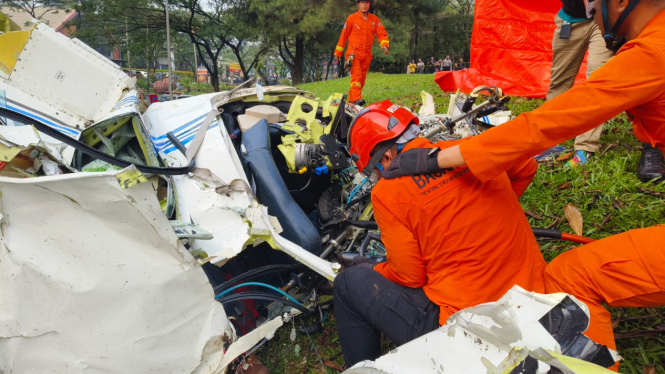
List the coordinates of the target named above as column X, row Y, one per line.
column 511, row 48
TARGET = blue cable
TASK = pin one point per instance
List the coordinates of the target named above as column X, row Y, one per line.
column 261, row 285
column 351, row 168
column 358, row 188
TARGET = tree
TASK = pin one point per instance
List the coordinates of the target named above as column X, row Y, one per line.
column 39, row 8
column 104, row 22
column 208, row 26
column 299, row 30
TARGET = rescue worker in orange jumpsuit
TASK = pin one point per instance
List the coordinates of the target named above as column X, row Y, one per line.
column 621, row 270
column 442, row 253
column 360, row 30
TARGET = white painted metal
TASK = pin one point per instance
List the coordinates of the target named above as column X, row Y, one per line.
column 69, row 75
column 489, row 338
column 92, row 278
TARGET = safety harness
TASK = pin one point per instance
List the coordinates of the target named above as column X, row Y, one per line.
column 610, row 31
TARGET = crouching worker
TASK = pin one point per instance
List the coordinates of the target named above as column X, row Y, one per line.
column 625, row 269
column 452, row 241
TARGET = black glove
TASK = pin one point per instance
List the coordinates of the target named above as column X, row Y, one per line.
column 413, row 161
column 361, row 260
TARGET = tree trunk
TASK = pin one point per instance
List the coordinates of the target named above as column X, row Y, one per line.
column 214, row 78
column 299, row 61
column 327, row 72
column 263, row 76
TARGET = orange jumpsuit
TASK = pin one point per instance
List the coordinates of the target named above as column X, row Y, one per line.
column 465, row 242
column 360, row 34
column 624, row 269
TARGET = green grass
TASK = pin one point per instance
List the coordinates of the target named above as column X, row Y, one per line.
column 613, row 175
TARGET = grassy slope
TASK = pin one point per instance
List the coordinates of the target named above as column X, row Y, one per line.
column 613, row 174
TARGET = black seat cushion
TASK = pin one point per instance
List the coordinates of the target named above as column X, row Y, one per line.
column 272, row 191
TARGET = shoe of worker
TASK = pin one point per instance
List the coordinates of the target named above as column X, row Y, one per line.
column 580, row 158
column 651, row 164
column 360, row 102
column 252, row 365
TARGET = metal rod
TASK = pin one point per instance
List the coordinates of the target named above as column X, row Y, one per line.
column 168, row 49
column 473, row 111
column 333, row 244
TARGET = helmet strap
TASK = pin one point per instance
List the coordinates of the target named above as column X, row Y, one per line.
column 611, row 41
column 380, row 151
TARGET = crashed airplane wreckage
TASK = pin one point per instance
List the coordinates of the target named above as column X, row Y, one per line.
column 180, row 240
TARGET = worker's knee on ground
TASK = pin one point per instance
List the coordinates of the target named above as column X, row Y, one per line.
column 559, row 271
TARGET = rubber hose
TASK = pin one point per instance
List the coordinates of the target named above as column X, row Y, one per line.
column 369, row 225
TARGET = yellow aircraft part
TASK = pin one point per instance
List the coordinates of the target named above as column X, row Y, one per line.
column 297, row 114
column 289, row 152
column 90, row 137
column 367, row 212
column 12, row 45
column 150, row 157
column 130, row 178
column 305, row 127
column 7, row 24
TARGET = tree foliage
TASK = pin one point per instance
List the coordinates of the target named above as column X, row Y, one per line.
column 301, row 35
column 40, row 8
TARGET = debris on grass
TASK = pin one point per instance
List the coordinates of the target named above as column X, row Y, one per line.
column 565, row 156
column 564, row 186
column 574, row 218
column 605, row 221
column 609, row 148
column 533, row 215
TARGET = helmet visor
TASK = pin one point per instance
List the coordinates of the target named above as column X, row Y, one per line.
column 411, row 133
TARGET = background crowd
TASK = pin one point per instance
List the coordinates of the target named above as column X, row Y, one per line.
column 433, row 65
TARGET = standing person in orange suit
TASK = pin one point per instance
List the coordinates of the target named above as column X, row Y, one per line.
column 621, row 270
column 360, row 30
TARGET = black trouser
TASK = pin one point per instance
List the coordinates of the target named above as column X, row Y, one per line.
column 367, row 304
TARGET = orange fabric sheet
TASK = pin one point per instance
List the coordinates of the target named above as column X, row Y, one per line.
column 511, row 48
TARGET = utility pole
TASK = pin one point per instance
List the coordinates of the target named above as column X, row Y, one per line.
column 168, row 50
column 147, row 61
column 129, row 56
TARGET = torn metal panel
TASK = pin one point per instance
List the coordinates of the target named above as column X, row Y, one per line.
column 51, row 67
column 321, row 266
column 249, row 94
column 92, row 278
column 24, row 138
column 493, row 338
column 428, row 108
column 242, row 345
column 206, row 197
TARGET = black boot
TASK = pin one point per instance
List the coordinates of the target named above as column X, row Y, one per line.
column 360, row 102
column 651, row 164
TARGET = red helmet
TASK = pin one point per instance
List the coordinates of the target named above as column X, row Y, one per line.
column 379, row 124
